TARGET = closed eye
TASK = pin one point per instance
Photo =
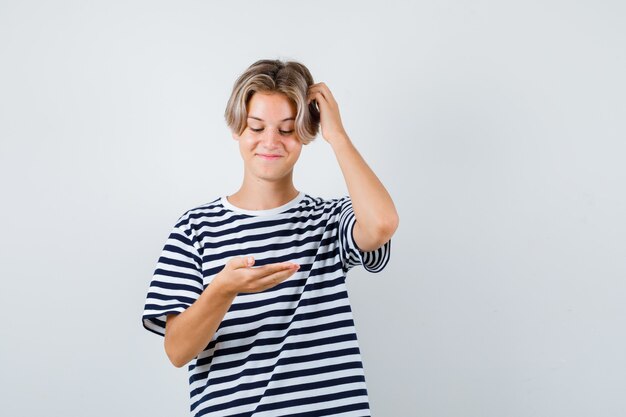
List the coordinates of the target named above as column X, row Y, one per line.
column 284, row 132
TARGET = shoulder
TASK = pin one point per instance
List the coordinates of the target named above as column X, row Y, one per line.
column 327, row 201
column 333, row 209
column 329, row 205
column 200, row 214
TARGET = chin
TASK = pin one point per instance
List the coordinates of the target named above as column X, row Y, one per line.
column 269, row 173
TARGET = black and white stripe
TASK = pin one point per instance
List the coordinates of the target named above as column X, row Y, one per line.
column 291, row 349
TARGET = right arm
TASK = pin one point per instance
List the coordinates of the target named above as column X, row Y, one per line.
column 189, row 332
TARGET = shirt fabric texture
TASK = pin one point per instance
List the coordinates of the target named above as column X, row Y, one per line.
column 291, row 350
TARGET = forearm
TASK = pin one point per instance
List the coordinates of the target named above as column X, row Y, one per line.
column 373, row 207
column 189, row 332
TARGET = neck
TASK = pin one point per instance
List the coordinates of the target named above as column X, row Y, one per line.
column 264, row 195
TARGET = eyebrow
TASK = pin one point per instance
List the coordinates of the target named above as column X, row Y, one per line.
column 258, row 118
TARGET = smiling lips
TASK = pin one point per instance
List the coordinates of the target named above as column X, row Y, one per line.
column 269, row 157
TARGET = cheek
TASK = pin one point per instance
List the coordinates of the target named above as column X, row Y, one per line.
column 246, row 148
column 294, row 145
column 247, row 142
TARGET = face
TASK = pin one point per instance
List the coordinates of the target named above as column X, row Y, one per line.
column 268, row 145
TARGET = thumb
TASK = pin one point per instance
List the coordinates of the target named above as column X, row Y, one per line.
column 241, row 262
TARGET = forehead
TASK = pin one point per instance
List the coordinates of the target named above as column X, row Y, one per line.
column 274, row 107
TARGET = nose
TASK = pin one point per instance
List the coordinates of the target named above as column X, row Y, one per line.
column 271, row 138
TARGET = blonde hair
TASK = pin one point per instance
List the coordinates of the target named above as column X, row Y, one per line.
column 274, row 76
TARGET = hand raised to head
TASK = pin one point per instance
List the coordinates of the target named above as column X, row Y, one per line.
column 330, row 119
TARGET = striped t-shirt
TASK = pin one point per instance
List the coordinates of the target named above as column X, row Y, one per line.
column 291, row 350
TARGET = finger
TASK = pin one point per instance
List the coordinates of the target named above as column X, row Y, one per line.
column 310, row 99
column 320, row 87
column 317, row 96
column 315, row 92
column 323, row 89
column 267, row 270
column 241, row 262
column 276, row 278
column 328, row 95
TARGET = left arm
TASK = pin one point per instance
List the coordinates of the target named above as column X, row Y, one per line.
column 375, row 213
column 376, row 216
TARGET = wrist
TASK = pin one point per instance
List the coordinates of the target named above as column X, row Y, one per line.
column 222, row 285
column 339, row 140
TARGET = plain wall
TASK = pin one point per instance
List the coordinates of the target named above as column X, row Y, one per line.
column 497, row 127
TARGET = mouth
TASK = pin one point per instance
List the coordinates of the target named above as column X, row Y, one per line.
column 269, row 157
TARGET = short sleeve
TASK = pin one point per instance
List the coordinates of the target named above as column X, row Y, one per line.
column 176, row 283
column 351, row 255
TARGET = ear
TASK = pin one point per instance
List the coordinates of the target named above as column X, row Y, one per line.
column 235, row 136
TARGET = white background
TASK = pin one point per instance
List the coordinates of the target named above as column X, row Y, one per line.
column 498, row 128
